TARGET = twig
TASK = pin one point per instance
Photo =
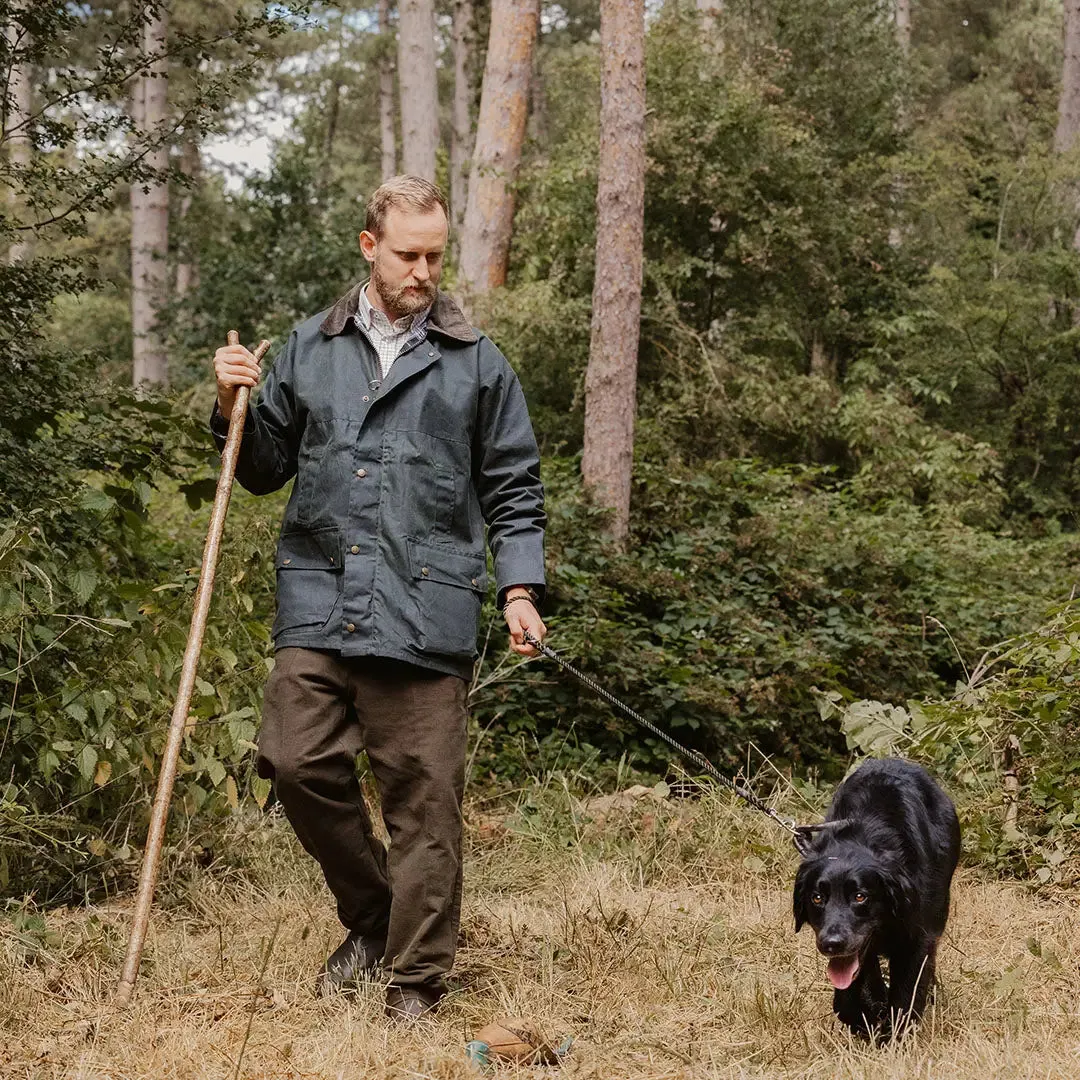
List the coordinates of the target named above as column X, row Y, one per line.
column 255, row 996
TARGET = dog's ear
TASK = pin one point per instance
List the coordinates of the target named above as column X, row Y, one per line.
column 799, row 898
column 900, row 890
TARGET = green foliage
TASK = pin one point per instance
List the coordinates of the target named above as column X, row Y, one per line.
column 1015, row 715
column 747, row 590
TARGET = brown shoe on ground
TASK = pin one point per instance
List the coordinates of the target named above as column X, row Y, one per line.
column 355, row 959
column 407, row 1004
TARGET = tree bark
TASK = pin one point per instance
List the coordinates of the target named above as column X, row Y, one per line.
column 1068, row 124
column 187, row 267
column 611, row 379
column 462, row 122
column 903, row 24
column 417, row 90
column 500, row 133
column 386, row 96
column 708, row 11
column 150, row 215
column 20, row 144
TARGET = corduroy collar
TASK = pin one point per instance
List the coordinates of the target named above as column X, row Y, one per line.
column 445, row 318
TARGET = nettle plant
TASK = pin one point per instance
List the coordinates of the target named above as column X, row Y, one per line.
column 1004, row 744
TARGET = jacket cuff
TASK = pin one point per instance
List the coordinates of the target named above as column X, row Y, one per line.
column 519, row 570
column 219, row 426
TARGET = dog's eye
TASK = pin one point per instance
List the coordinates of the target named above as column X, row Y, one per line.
column 817, row 899
column 861, row 897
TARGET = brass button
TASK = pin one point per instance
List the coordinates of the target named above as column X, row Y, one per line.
column 351, row 627
column 355, row 549
column 287, row 561
column 331, row 558
column 424, row 571
column 365, row 398
column 361, row 473
column 475, row 582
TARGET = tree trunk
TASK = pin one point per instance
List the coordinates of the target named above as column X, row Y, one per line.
column 462, row 125
column 1068, row 125
column 1069, row 102
column 708, row 11
column 20, row 145
column 333, row 107
column 417, row 90
column 150, row 215
column 500, row 132
column 611, row 379
column 903, row 24
column 187, row 268
column 386, row 96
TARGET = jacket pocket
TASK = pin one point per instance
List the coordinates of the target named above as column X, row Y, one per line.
column 448, row 588
column 309, row 577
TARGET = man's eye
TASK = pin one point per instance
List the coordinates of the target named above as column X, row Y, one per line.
column 861, row 897
column 817, row 899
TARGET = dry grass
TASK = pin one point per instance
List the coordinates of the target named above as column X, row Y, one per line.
column 661, row 939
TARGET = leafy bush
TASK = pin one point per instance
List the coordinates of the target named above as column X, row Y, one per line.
column 1003, row 744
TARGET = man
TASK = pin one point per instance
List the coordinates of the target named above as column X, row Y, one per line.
column 407, row 432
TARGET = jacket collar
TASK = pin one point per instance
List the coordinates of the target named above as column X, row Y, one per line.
column 445, row 318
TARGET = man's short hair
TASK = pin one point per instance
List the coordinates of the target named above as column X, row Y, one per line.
column 405, row 193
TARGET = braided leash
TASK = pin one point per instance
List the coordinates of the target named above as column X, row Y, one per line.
column 801, row 835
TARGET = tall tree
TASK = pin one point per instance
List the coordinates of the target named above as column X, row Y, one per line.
column 187, row 267
column 17, row 122
column 708, row 10
column 500, row 132
column 150, row 207
column 461, row 128
column 418, row 95
column 1068, row 125
column 611, row 378
column 902, row 14
column 387, row 136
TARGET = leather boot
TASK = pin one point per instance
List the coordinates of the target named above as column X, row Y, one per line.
column 355, row 959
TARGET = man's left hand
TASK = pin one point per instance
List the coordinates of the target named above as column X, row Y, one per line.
column 522, row 616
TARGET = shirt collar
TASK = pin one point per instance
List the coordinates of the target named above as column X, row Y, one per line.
column 366, row 314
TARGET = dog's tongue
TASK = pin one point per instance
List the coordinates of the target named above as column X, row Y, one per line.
column 842, row 971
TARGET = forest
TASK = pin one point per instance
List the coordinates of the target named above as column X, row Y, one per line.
column 821, row 262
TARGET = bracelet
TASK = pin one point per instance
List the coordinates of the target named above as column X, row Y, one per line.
column 513, row 599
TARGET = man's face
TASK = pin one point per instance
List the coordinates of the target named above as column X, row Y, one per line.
column 406, row 261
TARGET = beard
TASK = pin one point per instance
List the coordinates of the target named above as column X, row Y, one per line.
column 402, row 300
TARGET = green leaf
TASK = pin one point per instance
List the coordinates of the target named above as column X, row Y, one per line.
column 83, row 583
column 88, row 762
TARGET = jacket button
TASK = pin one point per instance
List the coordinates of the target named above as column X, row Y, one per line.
column 361, row 473
column 355, row 550
column 351, row 627
column 474, row 581
column 286, row 562
column 365, row 398
column 424, row 571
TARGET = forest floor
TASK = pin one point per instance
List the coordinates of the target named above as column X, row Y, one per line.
column 658, row 934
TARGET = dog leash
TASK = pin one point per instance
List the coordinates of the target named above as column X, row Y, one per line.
column 801, row 835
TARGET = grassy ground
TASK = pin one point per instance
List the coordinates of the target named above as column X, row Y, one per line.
column 659, row 936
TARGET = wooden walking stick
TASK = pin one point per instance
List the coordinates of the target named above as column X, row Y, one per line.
column 160, row 812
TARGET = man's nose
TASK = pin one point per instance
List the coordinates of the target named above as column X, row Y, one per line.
column 420, row 271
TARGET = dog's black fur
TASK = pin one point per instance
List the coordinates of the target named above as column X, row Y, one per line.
column 877, row 884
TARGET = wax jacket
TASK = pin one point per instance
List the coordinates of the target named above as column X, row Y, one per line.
column 382, row 545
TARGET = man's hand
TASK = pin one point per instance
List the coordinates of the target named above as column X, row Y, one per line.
column 234, row 366
column 521, row 615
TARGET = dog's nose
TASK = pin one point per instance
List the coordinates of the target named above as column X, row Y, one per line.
column 831, row 944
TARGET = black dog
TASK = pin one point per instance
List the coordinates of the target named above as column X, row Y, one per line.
column 874, row 882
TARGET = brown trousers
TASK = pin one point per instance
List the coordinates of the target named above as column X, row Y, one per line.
column 319, row 711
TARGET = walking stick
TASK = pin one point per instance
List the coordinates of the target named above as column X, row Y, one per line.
column 167, row 777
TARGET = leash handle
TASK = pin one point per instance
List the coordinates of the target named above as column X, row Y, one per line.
column 801, row 834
